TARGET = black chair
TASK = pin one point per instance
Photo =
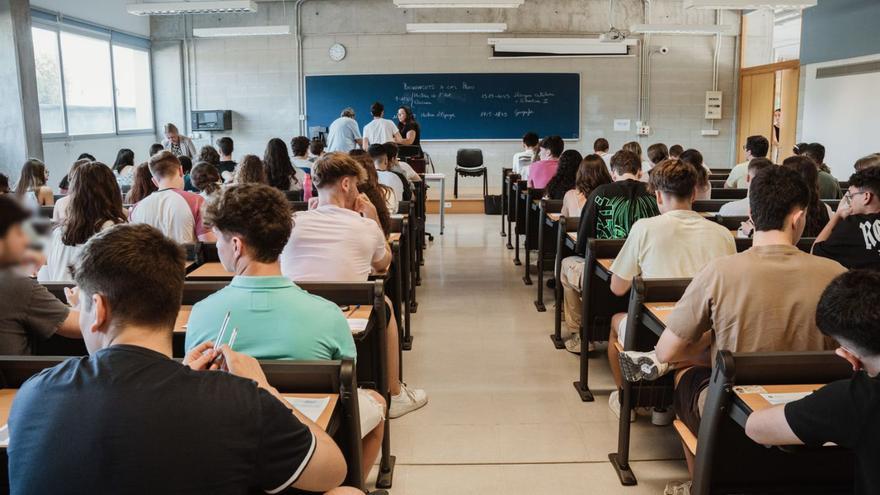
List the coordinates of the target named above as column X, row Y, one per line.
column 469, row 163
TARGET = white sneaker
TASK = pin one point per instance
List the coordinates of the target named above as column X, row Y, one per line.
column 637, row 366
column 573, row 344
column 678, row 488
column 662, row 417
column 407, row 401
column 614, row 405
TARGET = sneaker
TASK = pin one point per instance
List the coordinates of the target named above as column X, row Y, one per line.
column 573, row 344
column 678, row 488
column 662, row 417
column 614, row 405
column 407, row 401
column 637, row 366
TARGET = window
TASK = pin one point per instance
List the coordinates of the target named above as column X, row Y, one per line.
column 131, row 73
column 90, row 80
column 48, row 65
column 88, row 84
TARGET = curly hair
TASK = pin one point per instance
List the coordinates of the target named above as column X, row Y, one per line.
column 260, row 214
column 250, row 170
column 566, row 175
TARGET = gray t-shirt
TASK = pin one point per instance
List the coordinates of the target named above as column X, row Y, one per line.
column 27, row 311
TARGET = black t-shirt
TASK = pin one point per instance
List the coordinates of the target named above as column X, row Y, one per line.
column 226, row 166
column 130, row 420
column 844, row 412
column 854, row 242
column 411, row 126
column 612, row 209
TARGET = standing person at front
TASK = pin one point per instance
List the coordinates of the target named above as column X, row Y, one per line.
column 176, row 143
column 344, row 134
column 380, row 130
column 410, row 131
column 175, row 212
column 341, row 240
column 133, row 420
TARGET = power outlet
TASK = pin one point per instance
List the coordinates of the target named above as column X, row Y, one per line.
column 644, row 130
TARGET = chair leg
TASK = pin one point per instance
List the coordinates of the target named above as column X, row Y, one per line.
column 485, row 184
column 455, row 188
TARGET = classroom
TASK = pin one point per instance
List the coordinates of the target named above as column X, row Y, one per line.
column 414, row 247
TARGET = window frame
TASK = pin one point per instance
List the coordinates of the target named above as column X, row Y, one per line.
column 42, row 19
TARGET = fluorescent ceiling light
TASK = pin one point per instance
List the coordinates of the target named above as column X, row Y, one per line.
column 749, row 4
column 226, row 32
column 694, row 29
column 206, row 7
column 458, row 4
column 561, row 46
column 456, row 27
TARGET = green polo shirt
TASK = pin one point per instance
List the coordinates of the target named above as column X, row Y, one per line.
column 275, row 320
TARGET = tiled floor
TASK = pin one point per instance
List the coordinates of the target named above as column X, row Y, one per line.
column 503, row 416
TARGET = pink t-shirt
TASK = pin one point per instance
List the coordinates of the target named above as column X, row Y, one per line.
column 176, row 213
column 541, row 172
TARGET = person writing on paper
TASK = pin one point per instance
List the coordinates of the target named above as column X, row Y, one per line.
column 162, row 426
column 177, row 144
column 842, row 412
column 252, row 223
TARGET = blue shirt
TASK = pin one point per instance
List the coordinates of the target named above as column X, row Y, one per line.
column 275, row 320
column 342, row 134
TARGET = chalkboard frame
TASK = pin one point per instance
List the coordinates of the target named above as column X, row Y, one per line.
column 577, row 137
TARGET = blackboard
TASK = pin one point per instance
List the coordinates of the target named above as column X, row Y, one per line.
column 455, row 106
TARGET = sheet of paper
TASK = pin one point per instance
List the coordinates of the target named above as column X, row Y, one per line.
column 749, row 389
column 310, row 408
column 669, row 307
column 357, row 325
column 777, row 399
column 4, row 436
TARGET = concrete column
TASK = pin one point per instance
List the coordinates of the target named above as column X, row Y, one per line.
column 20, row 136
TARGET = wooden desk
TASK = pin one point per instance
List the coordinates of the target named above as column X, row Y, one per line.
column 572, row 235
column 6, row 396
column 213, row 270
column 395, row 236
column 751, row 397
column 182, row 319
column 606, row 263
column 660, row 310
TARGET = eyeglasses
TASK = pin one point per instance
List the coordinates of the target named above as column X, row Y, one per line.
column 850, row 195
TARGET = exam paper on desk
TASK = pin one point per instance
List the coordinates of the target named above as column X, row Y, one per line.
column 310, row 408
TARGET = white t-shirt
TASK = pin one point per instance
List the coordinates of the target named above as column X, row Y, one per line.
column 332, row 244
column 522, row 160
column 391, row 180
column 59, row 213
column 572, row 204
column 301, row 163
column 176, row 213
column 60, row 256
column 738, row 208
column 380, row 131
column 676, row 244
column 406, row 170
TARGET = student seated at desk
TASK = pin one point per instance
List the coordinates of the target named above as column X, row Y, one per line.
column 852, row 236
column 33, row 188
column 678, row 243
column 829, row 187
column 675, row 151
column 226, row 165
column 755, row 147
column 142, row 186
column 541, row 171
column 276, row 319
column 591, row 173
column 397, row 166
column 695, row 158
column 872, row 160
column 600, row 148
column 299, row 146
column 341, row 240
column 763, row 299
column 818, row 213
column 27, row 310
column 175, row 212
column 156, row 426
column 609, row 213
column 59, row 210
column 250, row 171
column 280, row 171
column 563, row 181
column 740, row 207
column 636, row 148
column 843, row 412
column 395, row 181
column 96, row 206
column 530, row 151
column 379, row 194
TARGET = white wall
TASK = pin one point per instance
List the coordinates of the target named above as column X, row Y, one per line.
column 841, row 113
column 109, row 13
column 256, row 77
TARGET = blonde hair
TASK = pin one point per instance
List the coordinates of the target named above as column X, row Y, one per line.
column 171, row 128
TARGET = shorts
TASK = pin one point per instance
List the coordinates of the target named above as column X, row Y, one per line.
column 371, row 411
column 621, row 331
column 690, row 396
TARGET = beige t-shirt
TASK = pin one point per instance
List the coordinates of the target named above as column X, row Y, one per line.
column 676, row 244
column 760, row 300
column 737, row 177
column 572, row 203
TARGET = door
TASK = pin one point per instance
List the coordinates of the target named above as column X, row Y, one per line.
column 756, row 108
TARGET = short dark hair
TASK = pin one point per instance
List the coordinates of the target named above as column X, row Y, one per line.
column 11, row 213
column 259, row 213
column 868, row 178
column 299, row 145
column 816, row 151
column 692, row 156
column 186, row 163
column 600, row 144
column 164, row 164
column 531, row 139
column 657, row 152
column 758, row 146
column 332, row 167
column 377, row 150
column 316, row 147
column 675, row 178
column 849, row 310
column 377, row 109
column 87, row 156
column 138, row 270
column 154, row 148
column 225, row 145
column 626, row 162
column 4, row 184
column 554, row 144
column 758, row 164
column 391, row 149
column 774, row 193
column 675, row 151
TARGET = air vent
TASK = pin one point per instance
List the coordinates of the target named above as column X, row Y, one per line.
column 848, row 70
